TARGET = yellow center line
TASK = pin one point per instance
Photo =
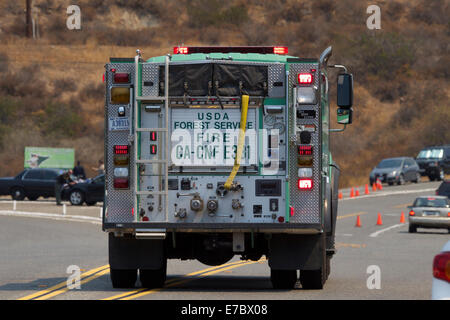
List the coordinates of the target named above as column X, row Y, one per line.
column 182, row 281
column 351, row 215
column 132, row 292
column 57, row 292
column 401, row 205
column 350, row 245
column 62, row 284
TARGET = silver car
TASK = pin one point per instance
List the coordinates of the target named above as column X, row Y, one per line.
column 430, row 212
column 396, row 170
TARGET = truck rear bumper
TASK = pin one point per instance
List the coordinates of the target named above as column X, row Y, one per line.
column 216, row 228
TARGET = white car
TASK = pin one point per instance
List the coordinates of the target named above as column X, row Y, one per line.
column 441, row 274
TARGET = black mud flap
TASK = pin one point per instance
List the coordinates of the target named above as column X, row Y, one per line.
column 131, row 253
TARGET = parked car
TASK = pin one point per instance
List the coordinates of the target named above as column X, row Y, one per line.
column 434, row 162
column 444, row 189
column 91, row 191
column 30, row 183
column 396, row 170
column 441, row 276
column 429, row 212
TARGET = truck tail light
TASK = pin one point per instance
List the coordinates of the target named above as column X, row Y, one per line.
column 441, row 266
column 121, row 77
column 121, row 183
column 153, row 136
column 305, row 78
column 120, row 95
column 291, row 211
column 305, row 184
column 153, row 149
column 411, row 213
column 121, row 149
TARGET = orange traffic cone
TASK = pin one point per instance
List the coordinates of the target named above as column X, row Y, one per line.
column 402, row 218
column 379, row 220
column 357, row 193
column 379, row 185
column 374, row 187
column 340, row 195
column 358, row 222
column 366, row 191
column 352, row 193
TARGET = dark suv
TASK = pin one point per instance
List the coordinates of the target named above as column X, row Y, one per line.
column 30, row 183
column 444, row 189
column 434, row 162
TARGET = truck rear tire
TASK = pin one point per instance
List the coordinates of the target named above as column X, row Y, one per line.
column 283, row 279
column 153, row 278
column 312, row 279
column 123, row 279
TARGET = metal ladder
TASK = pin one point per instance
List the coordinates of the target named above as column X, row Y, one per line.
column 162, row 162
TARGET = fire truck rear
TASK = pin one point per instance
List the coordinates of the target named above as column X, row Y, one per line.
column 212, row 152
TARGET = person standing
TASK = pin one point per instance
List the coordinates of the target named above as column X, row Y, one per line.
column 101, row 167
column 61, row 180
column 78, row 171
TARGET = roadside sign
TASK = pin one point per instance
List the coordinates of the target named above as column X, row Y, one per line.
column 59, row 158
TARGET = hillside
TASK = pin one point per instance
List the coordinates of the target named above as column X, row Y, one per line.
column 51, row 93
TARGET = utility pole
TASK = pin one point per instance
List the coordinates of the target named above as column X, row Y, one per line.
column 29, row 26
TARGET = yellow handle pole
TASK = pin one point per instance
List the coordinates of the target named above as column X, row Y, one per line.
column 237, row 160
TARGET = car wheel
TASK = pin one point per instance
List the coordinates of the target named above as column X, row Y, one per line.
column 32, row 198
column 18, row 194
column 76, row 198
column 401, row 180
column 390, row 183
column 417, row 180
column 432, row 178
column 412, row 228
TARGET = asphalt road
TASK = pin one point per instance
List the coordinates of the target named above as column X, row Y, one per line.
column 36, row 252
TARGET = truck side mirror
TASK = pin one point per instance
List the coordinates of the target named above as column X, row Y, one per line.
column 345, row 90
column 344, row 116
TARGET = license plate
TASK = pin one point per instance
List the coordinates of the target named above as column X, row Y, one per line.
column 118, row 124
column 431, row 213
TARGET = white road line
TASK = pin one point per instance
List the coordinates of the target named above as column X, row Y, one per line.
column 51, row 216
column 373, row 235
column 385, row 194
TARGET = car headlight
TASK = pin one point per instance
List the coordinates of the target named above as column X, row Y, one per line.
column 392, row 173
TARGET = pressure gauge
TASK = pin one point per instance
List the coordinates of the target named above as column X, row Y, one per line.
column 280, row 126
column 269, row 119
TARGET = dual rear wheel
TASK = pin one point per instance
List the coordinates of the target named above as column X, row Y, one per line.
column 149, row 278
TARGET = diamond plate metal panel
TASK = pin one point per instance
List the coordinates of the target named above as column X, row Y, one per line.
column 150, row 73
column 118, row 202
column 307, row 204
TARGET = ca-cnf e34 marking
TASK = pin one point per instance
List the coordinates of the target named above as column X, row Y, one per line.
column 176, row 192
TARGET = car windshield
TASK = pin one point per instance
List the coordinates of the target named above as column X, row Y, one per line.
column 430, row 202
column 389, row 163
column 431, row 154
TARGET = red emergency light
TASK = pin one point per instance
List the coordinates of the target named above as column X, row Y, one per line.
column 121, row 183
column 120, row 149
column 305, row 78
column 305, row 150
column 121, row 77
column 238, row 49
column 305, row 184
